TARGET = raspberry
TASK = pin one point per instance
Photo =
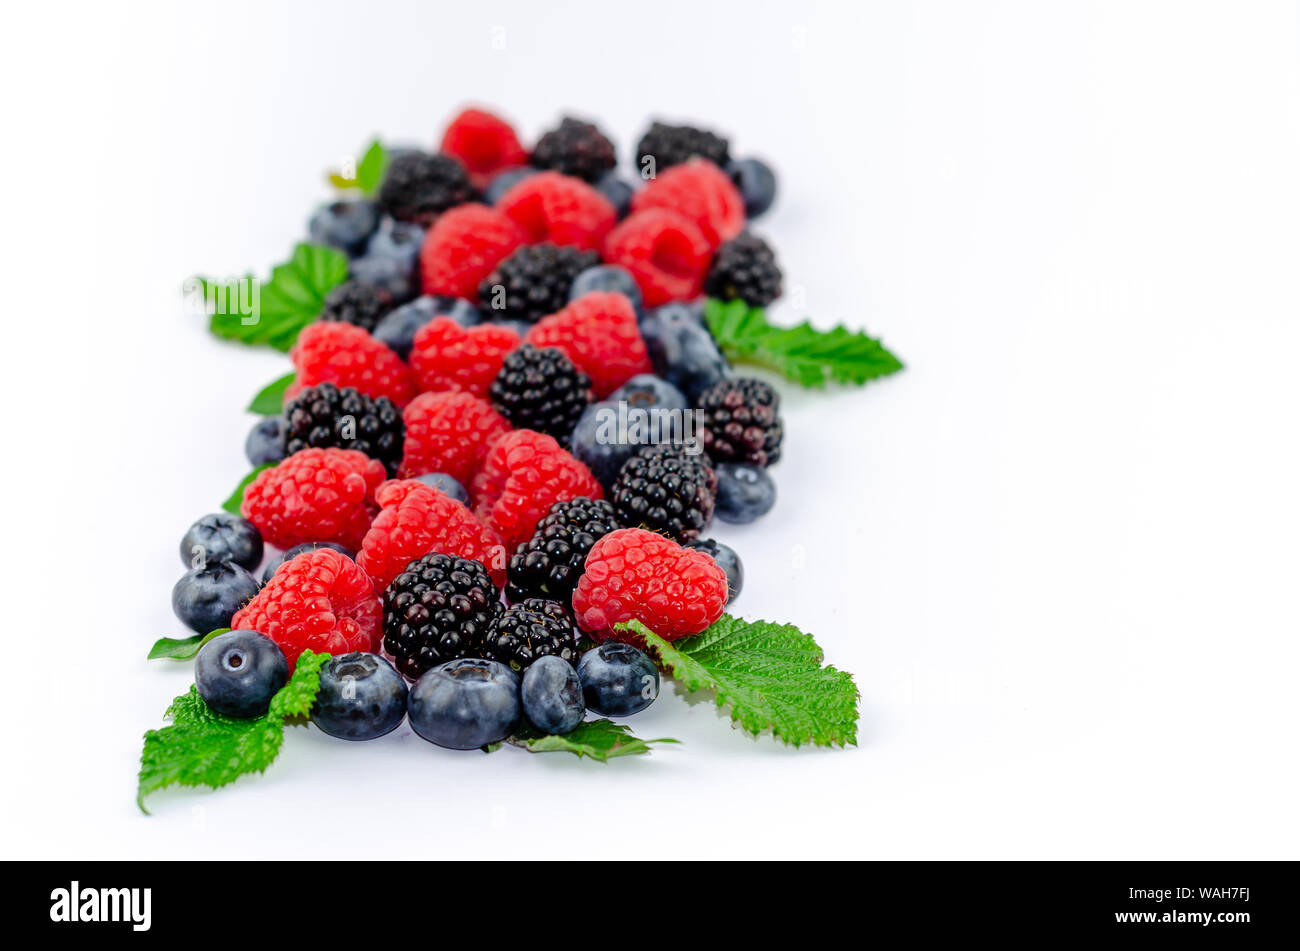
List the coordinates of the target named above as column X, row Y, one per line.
column 552, row 207
column 438, row 608
column 317, row 495
column 674, row 144
column 634, row 573
column 534, row 281
column 541, row 390
column 449, row 432
column 700, row 191
column 549, row 563
column 531, row 629
column 463, row 247
column 576, row 148
column 664, row 489
column 356, row 303
column 745, row 269
column 524, row 475
column 415, row 520
column 339, row 353
column 484, row 143
column 323, row 416
column 741, row 422
column 419, row 187
column 320, row 601
column 666, row 253
column 447, row 356
column 598, row 332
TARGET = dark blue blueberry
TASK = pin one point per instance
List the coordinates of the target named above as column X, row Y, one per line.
column 595, row 445
column 617, row 679
column 756, row 183
column 607, row 436
column 207, row 598
column 398, row 327
column 465, row 704
column 647, row 391
column 552, row 695
column 361, row 697
column 520, row 327
column 297, row 550
column 346, row 225
column 399, row 240
column 607, row 277
column 222, row 537
column 617, row 190
column 502, row 182
column 398, row 279
column 744, row 492
column 238, row 673
column 682, row 349
column 265, row 442
column 727, row 560
column 446, row 485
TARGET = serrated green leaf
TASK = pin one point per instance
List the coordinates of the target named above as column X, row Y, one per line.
column 369, row 171
column 600, row 740
column 296, row 697
column 236, row 499
column 770, row 675
column 269, row 400
column 808, row 356
column 182, row 648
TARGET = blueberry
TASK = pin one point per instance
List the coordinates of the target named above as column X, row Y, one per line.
column 682, row 349
column 552, row 695
column 607, row 277
column 396, row 278
column 238, row 673
column 617, row 679
column 465, row 704
column 398, row 327
column 593, row 445
column 647, row 391
column 346, row 225
column 207, row 598
column 265, row 442
column 297, row 550
column 521, row 327
column 756, row 182
column 362, row 696
column 727, row 560
column 399, row 240
column 502, row 182
column 617, row 190
column 222, row 537
column 446, row 485
column 744, row 492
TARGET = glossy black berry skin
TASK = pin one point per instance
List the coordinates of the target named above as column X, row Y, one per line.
column 549, row 564
column 265, row 442
column 682, row 350
column 745, row 269
column 324, row 416
column 207, row 598
column 617, row 679
column 357, row 303
column 533, row 628
column 533, row 282
column 551, row 696
column 745, row 492
column 465, row 704
column 575, row 148
column 237, row 673
column 540, row 389
column 419, row 186
column 727, row 560
column 673, row 144
column 222, row 536
column 607, row 278
column 361, row 697
column 346, row 225
column 438, row 609
column 665, row 490
column 742, row 422
column 297, row 550
column 756, row 182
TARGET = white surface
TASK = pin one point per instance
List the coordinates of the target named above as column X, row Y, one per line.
column 1058, row 552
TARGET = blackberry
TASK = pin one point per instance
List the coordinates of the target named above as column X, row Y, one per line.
column 355, row 302
column 324, row 416
column 745, row 268
column 674, row 144
column 531, row 629
column 540, row 389
column 533, row 282
column 437, row 610
column 549, row 563
column 576, row 148
column 419, row 186
column 741, row 423
column 665, row 490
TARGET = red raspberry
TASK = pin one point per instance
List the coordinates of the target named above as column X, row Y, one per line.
column 559, row 209
column 666, row 253
column 634, row 573
column 346, row 355
column 701, row 191
column 463, row 247
column 447, row 356
column 316, row 495
column 598, row 332
column 484, row 143
column 524, row 475
column 319, row 600
column 417, row 519
column 449, row 432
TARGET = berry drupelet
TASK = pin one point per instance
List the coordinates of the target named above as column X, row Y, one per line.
column 533, row 282
column 540, row 389
column 745, row 269
column 674, row 144
column 357, row 303
column 575, row 148
column 531, row 629
column 549, row 563
column 418, row 186
column 324, row 416
column 741, row 423
column 667, row 491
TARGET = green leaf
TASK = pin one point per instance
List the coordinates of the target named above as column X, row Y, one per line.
column 597, row 739
column 181, row 648
column 236, row 499
column 271, row 313
column 369, row 171
column 770, row 675
column 808, row 356
column 204, row 748
column 269, row 400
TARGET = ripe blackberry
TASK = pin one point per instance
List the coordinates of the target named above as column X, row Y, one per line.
column 533, row 282
column 549, row 563
column 419, row 186
column 324, row 417
column 741, row 423
column 576, row 148
column 353, row 302
column 531, row 629
column 674, row 144
column 745, row 268
column 437, row 610
column 540, row 389
column 665, row 490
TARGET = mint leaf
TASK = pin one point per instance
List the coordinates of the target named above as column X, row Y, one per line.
column 369, row 171
column 269, row 400
column 181, row 648
column 204, row 748
column 596, row 739
column 236, row 499
column 808, row 356
column 770, row 675
column 271, row 313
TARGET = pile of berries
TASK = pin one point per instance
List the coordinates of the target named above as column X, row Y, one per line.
column 508, row 432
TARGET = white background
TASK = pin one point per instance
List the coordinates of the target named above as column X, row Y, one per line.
column 1059, row 552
